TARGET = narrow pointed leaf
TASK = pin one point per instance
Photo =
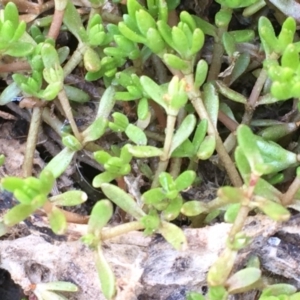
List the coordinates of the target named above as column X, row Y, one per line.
column 173, row 235
column 183, row 132
column 122, row 199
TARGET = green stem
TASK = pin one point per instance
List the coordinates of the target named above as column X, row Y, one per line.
column 75, row 59
column 258, row 86
column 195, row 97
column 244, row 209
column 218, row 51
column 288, row 197
column 176, row 162
column 164, row 159
column 68, row 112
column 32, row 140
column 108, row 233
column 230, row 142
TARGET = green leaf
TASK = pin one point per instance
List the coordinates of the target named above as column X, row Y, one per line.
column 193, row 208
column 70, row 198
column 176, row 62
column 72, row 20
column 229, row 43
column 167, row 182
column 188, row 19
column 172, row 211
column 143, row 109
column 206, row 27
column 180, row 42
column 57, row 221
column 133, row 7
column 11, row 13
column 59, row 286
column 166, row 32
column 185, row 180
column 144, row 151
column 100, row 216
column 197, row 41
column 200, row 134
column 19, row 49
column 186, row 149
column 9, row 93
column 242, row 36
column 136, row 134
column 155, row 42
column 287, row 33
column 130, row 34
column 211, row 102
column 154, row 91
column 144, row 21
column 241, row 64
column 17, row 214
column 267, row 35
column 230, row 94
column 120, row 122
column 217, row 293
column 276, row 132
column 232, row 212
column 201, row 73
column 104, row 177
column 106, row 275
column 91, row 60
column 243, row 280
column 117, row 166
column 7, row 31
column 207, row 147
column 272, row 209
column 275, row 157
column 246, row 141
column 290, row 57
column 49, row 56
column 183, row 132
column 223, row 18
column 231, row 194
column 220, row 270
column 12, row 183
column 95, row 130
column 59, row 163
column 76, row 95
column 71, row 142
column 242, row 163
column 151, row 222
column 279, row 289
column 47, row 181
column 122, row 199
column 173, row 235
column 153, row 196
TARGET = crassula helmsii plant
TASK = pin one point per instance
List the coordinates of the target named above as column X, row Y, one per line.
column 174, row 124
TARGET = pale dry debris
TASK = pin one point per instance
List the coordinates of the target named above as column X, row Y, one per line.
column 145, row 268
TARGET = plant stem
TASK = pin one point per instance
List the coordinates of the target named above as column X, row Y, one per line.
column 244, row 209
column 195, row 97
column 56, row 24
column 68, row 112
column 164, row 159
column 108, row 233
column 32, row 140
column 75, row 59
column 177, row 161
column 288, row 197
column 258, row 86
column 218, row 51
